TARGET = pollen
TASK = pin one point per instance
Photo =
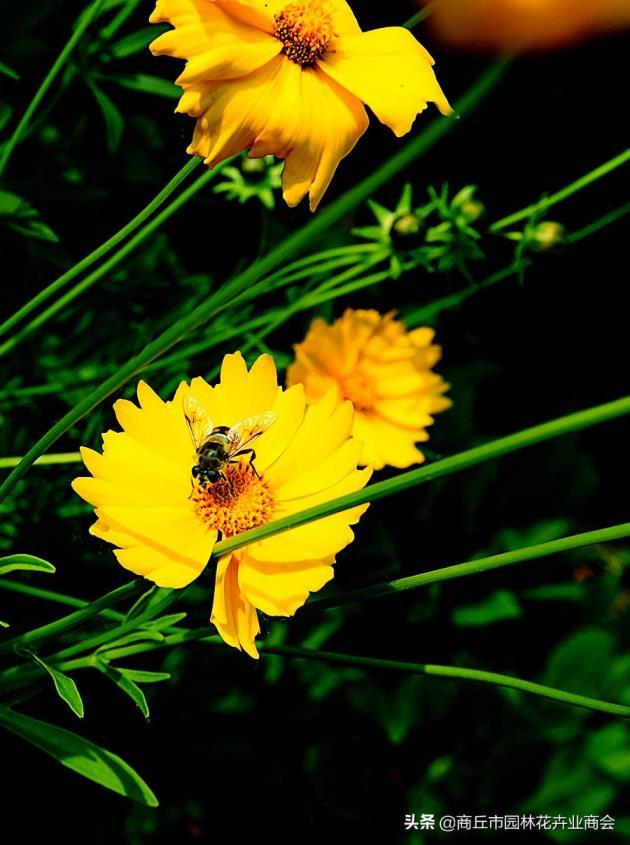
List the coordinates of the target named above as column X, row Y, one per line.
column 235, row 504
column 359, row 389
column 306, row 31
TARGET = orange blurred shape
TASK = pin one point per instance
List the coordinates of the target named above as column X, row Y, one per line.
column 517, row 25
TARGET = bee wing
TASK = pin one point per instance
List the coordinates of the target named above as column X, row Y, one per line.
column 243, row 433
column 199, row 423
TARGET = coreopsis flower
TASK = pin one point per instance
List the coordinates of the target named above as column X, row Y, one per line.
column 290, row 79
column 387, row 374
column 518, row 25
column 164, row 516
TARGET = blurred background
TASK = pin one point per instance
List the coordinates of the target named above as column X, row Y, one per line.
column 291, row 749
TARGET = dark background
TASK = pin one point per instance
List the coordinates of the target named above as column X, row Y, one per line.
column 292, row 750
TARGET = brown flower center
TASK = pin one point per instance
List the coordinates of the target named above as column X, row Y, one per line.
column 359, row 389
column 235, row 504
column 305, row 29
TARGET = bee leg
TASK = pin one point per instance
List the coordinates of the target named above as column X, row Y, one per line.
column 252, row 458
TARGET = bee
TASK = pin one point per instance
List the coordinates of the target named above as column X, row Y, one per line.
column 218, row 446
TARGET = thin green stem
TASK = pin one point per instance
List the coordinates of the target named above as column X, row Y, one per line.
column 66, row 623
column 55, row 458
column 111, row 263
column 100, row 251
column 474, row 567
column 406, row 480
column 53, row 596
column 566, row 192
column 600, row 223
column 454, row 673
column 244, row 281
column 427, row 313
column 85, row 20
column 420, row 16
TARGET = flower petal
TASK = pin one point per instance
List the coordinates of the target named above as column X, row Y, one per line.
column 176, row 529
column 279, row 589
column 331, row 121
column 217, row 45
column 389, row 71
column 158, row 566
column 256, row 13
column 234, row 616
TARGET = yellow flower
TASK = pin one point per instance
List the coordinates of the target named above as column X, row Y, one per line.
column 165, row 527
column 385, row 371
column 290, row 79
column 525, row 24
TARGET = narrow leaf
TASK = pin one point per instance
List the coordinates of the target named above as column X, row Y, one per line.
column 124, row 683
column 24, row 562
column 144, row 83
column 134, row 42
column 80, row 755
column 142, row 676
column 5, row 70
column 133, row 637
column 166, row 621
column 114, row 121
column 65, row 686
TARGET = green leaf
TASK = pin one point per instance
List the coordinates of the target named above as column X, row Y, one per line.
column 24, row 562
column 133, row 637
column 124, row 682
column 501, row 605
column 144, row 83
column 114, row 121
column 19, row 215
column 80, row 755
column 167, row 621
column 65, row 686
column 134, row 42
column 581, row 661
column 5, row 70
column 142, row 676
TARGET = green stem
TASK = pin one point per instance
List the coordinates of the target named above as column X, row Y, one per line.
column 244, row 281
column 547, row 202
column 56, row 458
column 420, row 16
column 60, row 626
column 53, row 596
column 474, row 567
column 116, row 258
column 406, row 480
column 100, row 251
column 82, row 25
column 455, row 673
column 426, row 313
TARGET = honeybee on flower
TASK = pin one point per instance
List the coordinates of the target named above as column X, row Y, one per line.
column 140, row 487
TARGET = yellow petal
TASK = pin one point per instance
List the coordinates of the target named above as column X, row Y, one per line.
column 217, row 45
column 233, row 615
column 256, row 13
column 385, row 443
column 390, row 72
column 279, row 589
column 176, row 529
column 160, row 568
column 290, row 406
column 327, row 425
column 331, row 121
column 328, row 472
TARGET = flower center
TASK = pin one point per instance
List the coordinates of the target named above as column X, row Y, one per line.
column 359, row 390
column 235, row 504
column 305, row 29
